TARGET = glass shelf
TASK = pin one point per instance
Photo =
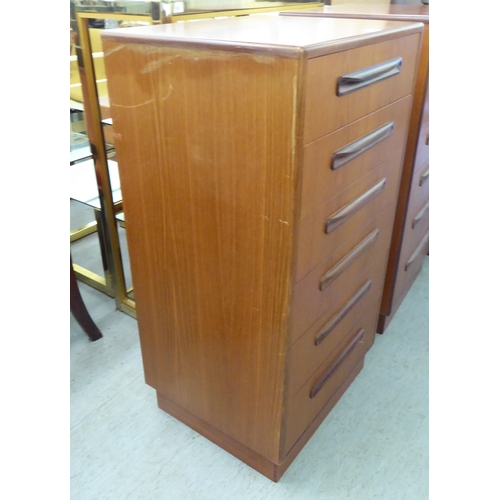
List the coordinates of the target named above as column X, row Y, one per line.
column 83, row 185
column 88, row 18
column 184, row 8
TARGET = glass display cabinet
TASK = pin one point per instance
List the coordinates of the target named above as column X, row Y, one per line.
column 98, row 228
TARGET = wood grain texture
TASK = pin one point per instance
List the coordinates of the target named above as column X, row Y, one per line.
column 304, row 409
column 320, row 183
column 209, row 126
column 418, row 133
column 263, row 35
column 413, row 234
column 422, row 146
column 314, row 245
column 420, row 215
column 417, row 252
column 354, row 206
column 407, row 276
column 330, row 372
column 306, row 356
column 210, row 172
column 416, row 154
column 290, row 451
column 346, row 309
column 420, row 192
column 310, row 303
column 332, row 112
column 329, row 277
column 254, row 460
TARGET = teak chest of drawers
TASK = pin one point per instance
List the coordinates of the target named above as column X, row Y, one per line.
column 260, row 161
column 410, row 240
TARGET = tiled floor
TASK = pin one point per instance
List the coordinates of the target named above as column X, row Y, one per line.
column 373, row 445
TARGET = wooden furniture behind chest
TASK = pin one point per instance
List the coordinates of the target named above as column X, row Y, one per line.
column 410, row 242
column 260, row 161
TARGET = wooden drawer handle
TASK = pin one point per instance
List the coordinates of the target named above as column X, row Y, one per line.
column 351, row 208
column 420, row 215
column 330, row 326
column 417, row 251
column 424, row 177
column 358, row 147
column 367, row 76
column 341, row 266
column 333, row 367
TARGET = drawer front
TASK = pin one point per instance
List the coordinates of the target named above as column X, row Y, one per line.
column 416, row 225
column 422, row 153
column 418, row 210
column 421, row 177
column 420, row 217
column 326, row 111
column 419, row 186
column 317, row 391
column 322, row 180
column 330, row 226
column 418, row 204
column 410, row 264
column 310, row 302
column 306, row 355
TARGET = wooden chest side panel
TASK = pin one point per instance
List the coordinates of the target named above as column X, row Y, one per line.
column 207, row 166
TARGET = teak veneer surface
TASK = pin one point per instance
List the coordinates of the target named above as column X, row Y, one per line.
column 210, row 192
column 276, row 35
column 417, row 150
column 209, row 121
column 320, row 183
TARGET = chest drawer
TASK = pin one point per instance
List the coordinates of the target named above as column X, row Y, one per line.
column 326, row 382
column 421, row 177
column 417, row 218
column 336, row 161
column 417, row 225
column 419, row 194
column 226, row 272
column 420, row 216
column 330, row 226
column 317, row 294
column 344, row 87
column 422, row 153
column 412, row 256
column 306, row 355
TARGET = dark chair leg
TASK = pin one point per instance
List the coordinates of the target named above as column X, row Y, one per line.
column 79, row 310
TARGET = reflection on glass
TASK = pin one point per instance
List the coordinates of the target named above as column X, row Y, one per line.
column 96, row 245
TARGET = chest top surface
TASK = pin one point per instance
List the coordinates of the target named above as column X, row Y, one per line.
column 285, row 36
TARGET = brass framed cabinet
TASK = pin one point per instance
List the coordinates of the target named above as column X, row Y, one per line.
column 260, row 161
column 410, row 241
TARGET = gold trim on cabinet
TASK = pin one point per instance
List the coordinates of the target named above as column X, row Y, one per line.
column 83, row 231
column 80, row 16
column 92, row 279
